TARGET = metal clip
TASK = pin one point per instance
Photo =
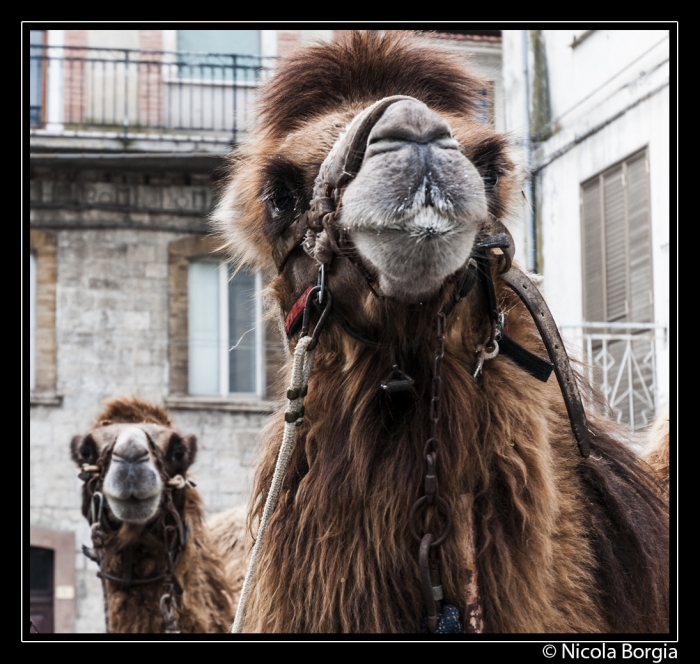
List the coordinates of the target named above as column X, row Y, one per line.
column 321, row 282
column 92, row 507
column 482, row 356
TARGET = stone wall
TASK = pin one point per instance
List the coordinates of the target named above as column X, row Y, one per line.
column 108, row 268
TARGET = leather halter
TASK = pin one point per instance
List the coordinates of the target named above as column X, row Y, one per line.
column 93, row 476
column 339, row 168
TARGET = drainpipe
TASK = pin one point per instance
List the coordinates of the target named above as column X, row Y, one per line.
column 530, row 234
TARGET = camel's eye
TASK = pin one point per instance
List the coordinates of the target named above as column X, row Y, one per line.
column 281, row 201
column 490, row 178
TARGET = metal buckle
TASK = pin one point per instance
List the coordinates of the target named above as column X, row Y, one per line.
column 95, row 495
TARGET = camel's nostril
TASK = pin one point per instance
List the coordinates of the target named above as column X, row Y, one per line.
column 411, row 121
column 131, row 455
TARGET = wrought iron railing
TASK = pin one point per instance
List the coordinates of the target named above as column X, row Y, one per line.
column 165, row 94
column 620, row 360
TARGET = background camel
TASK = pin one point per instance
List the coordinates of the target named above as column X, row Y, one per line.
column 133, row 456
column 407, row 394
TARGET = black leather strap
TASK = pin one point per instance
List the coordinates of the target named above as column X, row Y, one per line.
column 528, row 293
column 534, row 364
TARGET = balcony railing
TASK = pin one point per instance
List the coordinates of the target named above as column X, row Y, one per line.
column 132, row 93
column 620, row 361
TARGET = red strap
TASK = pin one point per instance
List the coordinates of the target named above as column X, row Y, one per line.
column 296, row 310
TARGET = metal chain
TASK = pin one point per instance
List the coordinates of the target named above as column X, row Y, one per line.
column 174, row 538
column 428, row 558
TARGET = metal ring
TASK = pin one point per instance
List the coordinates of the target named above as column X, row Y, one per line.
column 490, row 355
column 448, row 526
column 307, row 308
column 434, row 443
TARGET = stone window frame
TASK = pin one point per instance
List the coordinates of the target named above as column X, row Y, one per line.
column 62, row 543
column 180, row 253
column 43, row 245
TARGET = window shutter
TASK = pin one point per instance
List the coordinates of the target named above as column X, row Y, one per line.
column 615, row 246
column 593, row 252
column 640, row 267
column 203, row 327
column 617, row 283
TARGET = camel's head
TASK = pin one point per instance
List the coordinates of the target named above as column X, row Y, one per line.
column 136, row 457
column 390, row 129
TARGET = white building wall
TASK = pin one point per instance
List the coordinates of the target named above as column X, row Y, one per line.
column 609, row 98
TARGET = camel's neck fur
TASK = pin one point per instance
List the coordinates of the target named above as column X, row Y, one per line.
column 339, row 554
column 204, row 606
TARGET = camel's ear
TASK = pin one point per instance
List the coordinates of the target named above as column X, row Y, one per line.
column 180, row 453
column 83, row 449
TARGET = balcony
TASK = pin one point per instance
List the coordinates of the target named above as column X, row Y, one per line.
column 96, row 99
column 619, row 359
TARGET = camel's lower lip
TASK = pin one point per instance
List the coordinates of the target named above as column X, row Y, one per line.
column 412, row 261
column 133, row 509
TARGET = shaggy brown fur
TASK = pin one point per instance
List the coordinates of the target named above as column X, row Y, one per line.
column 658, row 447
column 564, row 544
column 229, row 533
column 131, row 409
column 206, row 604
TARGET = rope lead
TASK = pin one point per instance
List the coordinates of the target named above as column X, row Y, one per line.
column 301, row 371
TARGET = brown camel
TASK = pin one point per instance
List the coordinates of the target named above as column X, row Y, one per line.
column 434, row 483
column 136, row 495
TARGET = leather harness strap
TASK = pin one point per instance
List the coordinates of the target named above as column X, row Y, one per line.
column 340, row 167
column 528, row 293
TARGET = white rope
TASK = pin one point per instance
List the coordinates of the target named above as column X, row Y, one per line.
column 301, row 370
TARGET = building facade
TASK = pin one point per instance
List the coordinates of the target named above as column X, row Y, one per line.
column 590, row 110
column 129, row 293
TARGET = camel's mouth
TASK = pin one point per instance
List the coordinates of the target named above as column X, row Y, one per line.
column 134, row 510
column 413, row 259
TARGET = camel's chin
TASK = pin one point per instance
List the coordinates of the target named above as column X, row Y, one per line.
column 413, row 260
column 134, row 510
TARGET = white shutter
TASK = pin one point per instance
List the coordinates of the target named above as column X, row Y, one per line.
column 203, row 327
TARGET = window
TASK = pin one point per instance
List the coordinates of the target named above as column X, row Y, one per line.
column 485, row 114
column 220, row 349
column 42, row 323
column 617, row 243
column 618, row 285
column 51, row 580
column 242, row 45
column 32, row 321
column 225, row 330
column 37, row 81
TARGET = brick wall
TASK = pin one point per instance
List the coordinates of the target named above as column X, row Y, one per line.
column 150, row 79
column 43, row 244
column 74, row 77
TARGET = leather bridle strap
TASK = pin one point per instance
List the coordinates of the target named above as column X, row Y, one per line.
column 341, row 166
column 528, row 293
